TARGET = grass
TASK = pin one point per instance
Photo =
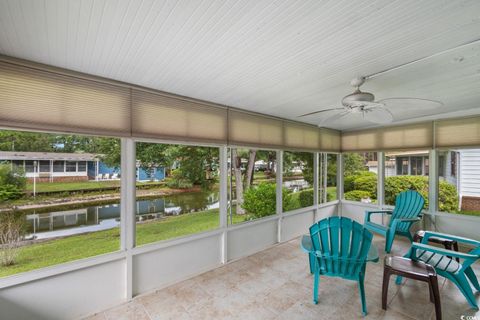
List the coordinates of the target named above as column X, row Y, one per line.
column 56, row 251
column 469, row 213
column 81, row 185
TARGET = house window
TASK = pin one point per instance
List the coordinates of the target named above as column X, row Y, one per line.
column 82, row 166
column 441, row 166
column 402, row 166
column 71, row 166
column 416, row 166
column 411, row 173
column 44, row 166
column 453, row 163
column 29, row 166
column 58, row 166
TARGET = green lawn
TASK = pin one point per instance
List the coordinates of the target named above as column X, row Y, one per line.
column 82, row 185
column 71, row 248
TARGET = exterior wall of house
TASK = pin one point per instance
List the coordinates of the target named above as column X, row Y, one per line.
column 469, row 175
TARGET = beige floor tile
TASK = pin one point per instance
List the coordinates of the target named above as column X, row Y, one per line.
column 276, row 284
column 128, row 311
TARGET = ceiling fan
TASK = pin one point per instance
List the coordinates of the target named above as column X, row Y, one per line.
column 364, row 104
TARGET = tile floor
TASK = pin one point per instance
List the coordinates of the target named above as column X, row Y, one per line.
column 276, row 284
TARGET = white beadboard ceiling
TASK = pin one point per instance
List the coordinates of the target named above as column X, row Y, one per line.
column 282, row 58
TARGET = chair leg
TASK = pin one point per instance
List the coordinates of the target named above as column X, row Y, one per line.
column 389, row 241
column 361, row 288
column 433, row 285
column 472, row 277
column 386, row 280
column 311, row 262
column 462, row 283
column 315, row 282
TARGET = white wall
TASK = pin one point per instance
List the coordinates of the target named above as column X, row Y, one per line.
column 65, row 296
column 92, row 285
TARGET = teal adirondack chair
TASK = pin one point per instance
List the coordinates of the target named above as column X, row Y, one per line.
column 444, row 262
column 408, row 207
column 340, row 250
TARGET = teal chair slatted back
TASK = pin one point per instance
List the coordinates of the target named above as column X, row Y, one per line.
column 342, row 246
column 408, row 204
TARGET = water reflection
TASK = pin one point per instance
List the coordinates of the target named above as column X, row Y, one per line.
column 102, row 217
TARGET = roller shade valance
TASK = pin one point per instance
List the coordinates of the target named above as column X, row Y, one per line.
column 39, row 97
column 463, row 132
column 329, row 140
column 160, row 116
column 413, row 136
column 298, row 136
column 254, row 130
column 43, row 100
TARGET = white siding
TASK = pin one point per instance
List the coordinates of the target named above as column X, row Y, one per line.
column 470, row 172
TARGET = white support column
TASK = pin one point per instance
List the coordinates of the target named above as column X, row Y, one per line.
column 279, row 181
column 223, row 201
column 340, row 182
column 315, row 184
column 127, row 205
column 433, row 185
column 381, row 179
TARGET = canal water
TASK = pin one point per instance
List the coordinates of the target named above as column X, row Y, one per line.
column 102, row 217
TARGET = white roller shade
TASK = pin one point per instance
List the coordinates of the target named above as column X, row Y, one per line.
column 254, row 130
column 298, row 136
column 43, row 100
column 167, row 117
column 458, row 132
column 329, row 140
column 414, row 136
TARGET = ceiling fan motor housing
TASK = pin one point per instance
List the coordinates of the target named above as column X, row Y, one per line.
column 357, row 96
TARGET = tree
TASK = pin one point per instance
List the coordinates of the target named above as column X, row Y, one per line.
column 353, row 162
column 26, row 141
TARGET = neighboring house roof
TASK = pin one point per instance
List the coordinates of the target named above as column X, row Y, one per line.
column 388, row 163
column 407, row 153
column 20, row 155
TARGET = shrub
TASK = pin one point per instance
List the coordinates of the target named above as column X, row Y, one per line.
column 395, row 185
column 260, row 201
column 367, row 183
column 331, row 193
column 349, row 180
column 12, row 231
column 447, row 197
column 357, row 195
column 306, row 197
column 12, row 182
column 10, row 192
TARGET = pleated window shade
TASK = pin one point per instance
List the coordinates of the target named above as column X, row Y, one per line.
column 329, row 140
column 42, row 100
column 304, row 137
column 159, row 116
column 458, row 132
column 414, row 136
column 254, row 130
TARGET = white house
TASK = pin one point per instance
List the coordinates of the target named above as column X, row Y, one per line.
column 458, row 167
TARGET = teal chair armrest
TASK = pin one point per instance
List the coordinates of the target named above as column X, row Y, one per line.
column 407, row 219
column 429, row 234
column 445, row 252
column 369, row 213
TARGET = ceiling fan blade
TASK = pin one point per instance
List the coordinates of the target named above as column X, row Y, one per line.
column 335, row 117
column 405, row 103
column 378, row 115
column 315, row 112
